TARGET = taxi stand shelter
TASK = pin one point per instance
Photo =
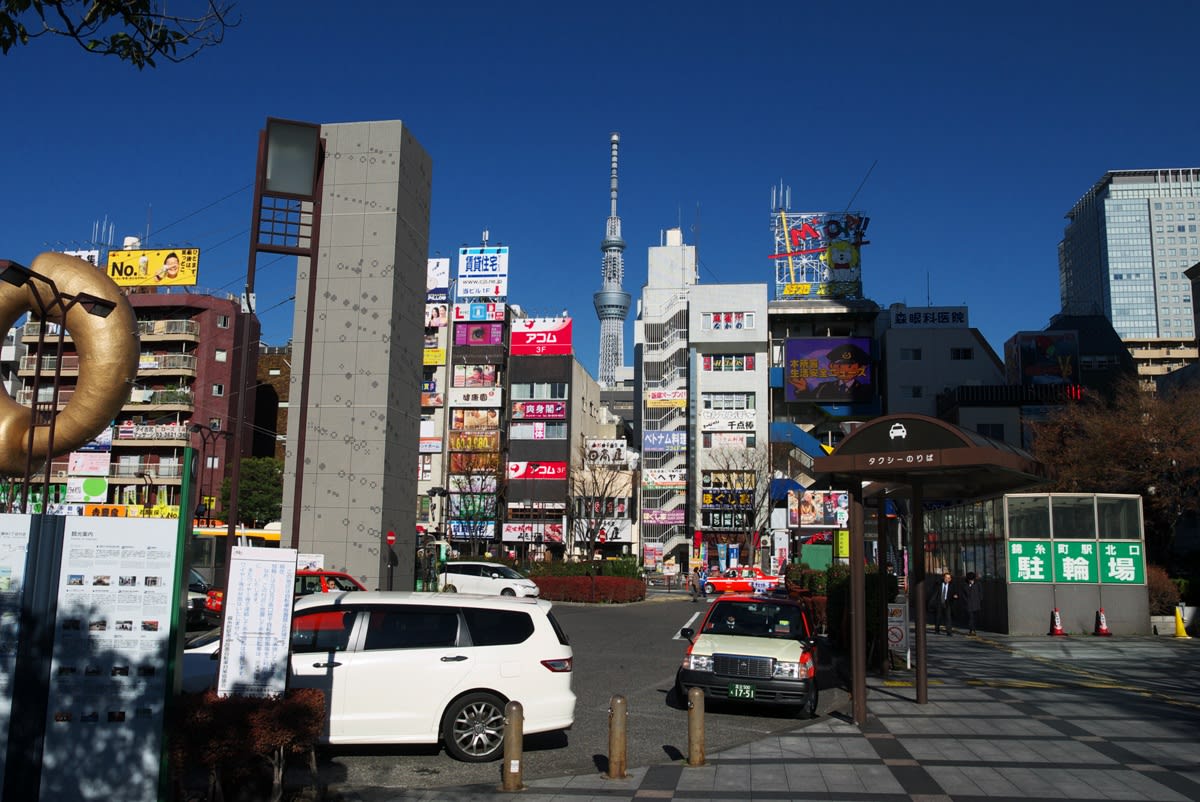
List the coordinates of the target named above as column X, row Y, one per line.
column 932, row 459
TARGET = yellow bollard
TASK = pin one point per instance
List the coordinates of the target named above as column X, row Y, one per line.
column 618, row 718
column 1180, row 629
column 514, row 736
column 695, row 727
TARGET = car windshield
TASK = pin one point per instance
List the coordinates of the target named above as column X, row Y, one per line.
column 340, row 583
column 758, row 619
column 504, row 571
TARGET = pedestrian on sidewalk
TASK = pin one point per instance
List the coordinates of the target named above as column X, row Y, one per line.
column 942, row 602
column 973, row 599
column 702, row 577
column 693, row 580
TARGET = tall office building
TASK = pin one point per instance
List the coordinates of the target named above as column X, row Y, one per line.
column 612, row 302
column 1125, row 248
column 1123, row 253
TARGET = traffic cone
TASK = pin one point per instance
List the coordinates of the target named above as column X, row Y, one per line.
column 1180, row 630
column 1101, row 624
column 1056, row 625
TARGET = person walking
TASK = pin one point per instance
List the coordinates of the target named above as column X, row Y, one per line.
column 973, row 599
column 942, row 603
column 693, row 581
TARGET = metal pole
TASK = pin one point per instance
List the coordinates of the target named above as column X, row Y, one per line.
column 514, row 737
column 917, row 589
column 695, row 701
column 243, row 350
column 858, row 606
column 618, row 720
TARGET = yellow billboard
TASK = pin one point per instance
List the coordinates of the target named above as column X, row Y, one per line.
column 168, row 267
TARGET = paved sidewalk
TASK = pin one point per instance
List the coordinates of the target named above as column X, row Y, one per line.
column 1008, row 719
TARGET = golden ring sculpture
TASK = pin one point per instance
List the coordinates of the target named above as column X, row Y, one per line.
column 108, row 350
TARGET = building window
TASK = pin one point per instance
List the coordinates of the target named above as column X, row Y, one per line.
column 729, row 400
column 221, row 355
column 993, row 430
column 732, row 321
column 962, row 353
column 538, row 430
column 222, row 321
column 218, row 390
column 910, row 354
column 529, row 390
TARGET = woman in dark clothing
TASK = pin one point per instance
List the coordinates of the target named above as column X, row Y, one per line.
column 973, row 597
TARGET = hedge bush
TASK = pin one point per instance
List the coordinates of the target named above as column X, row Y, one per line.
column 597, row 589
column 1164, row 594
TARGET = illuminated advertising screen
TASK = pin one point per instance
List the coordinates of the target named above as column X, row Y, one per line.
column 479, row 334
column 474, row 376
column 834, row 370
column 482, row 273
column 168, row 267
column 467, row 419
column 541, row 336
column 1042, row 357
column 817, row 253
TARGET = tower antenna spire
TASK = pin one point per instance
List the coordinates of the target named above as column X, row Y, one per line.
column 612, row 302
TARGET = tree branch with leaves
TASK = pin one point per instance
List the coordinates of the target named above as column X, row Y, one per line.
column 137, row 31
column 601, row 496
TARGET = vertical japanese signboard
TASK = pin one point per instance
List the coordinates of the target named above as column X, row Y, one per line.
column 258, row 621
column 1122, row 562
column 1029, row 561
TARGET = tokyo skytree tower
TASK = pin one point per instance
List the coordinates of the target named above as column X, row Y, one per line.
column 612, row 302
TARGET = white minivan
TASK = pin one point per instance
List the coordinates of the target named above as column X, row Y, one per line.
column 423, row 668
column 491, row 579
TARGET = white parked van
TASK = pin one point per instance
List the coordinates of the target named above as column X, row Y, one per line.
column 491, row 579
column 419, row 668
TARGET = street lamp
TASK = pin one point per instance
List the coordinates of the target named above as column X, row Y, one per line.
column 208, row 434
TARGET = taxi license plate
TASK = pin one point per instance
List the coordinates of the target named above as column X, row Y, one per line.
column 740, row 690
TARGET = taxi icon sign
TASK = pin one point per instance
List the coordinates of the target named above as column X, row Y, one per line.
column 897, row 430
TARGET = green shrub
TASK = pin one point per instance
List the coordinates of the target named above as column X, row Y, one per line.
column 1164, row 594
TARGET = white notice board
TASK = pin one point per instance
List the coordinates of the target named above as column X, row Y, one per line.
column 257, row 622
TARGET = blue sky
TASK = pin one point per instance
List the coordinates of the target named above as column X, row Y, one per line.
column 977, row 127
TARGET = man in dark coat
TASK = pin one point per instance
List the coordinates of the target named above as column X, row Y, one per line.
column 942, row 603
column 973, row 599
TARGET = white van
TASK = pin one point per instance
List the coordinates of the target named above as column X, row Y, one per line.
column 491, row 579
column 419, row 668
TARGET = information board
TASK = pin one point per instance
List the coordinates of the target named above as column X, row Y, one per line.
column 257, row 621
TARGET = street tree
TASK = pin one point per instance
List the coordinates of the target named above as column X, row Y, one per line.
column 474, row 487
column 1138, row 443
column 260, row 491
column 601, row 496
column 136, row 31
column 736, row 492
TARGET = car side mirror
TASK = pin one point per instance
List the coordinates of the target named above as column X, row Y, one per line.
column 687, row 632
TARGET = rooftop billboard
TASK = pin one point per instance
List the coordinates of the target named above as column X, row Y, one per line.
column 168, row 267
column 482, row 273
column 817, row 253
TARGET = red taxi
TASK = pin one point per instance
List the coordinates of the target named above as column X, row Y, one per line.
column 307, row 582
column 744, row 579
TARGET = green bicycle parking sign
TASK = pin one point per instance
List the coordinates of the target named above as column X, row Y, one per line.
column 1076, row 562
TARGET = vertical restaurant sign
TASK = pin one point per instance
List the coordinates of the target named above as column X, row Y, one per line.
column 537, row 470
column 482, row 273
column 111, row 648
column 541, row 336
column 257, row 622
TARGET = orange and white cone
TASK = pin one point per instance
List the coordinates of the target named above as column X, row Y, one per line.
column 1101, row 624
column 1056, row 628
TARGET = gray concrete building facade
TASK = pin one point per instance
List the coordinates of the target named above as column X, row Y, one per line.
column 360, row 443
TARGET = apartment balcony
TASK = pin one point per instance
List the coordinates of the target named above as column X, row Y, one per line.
column 25, row 396
column 166, row 364
column 29, row 365
column 126, row 472
column 156, row 401
column 168, row 330
column 155, row 434
column 33, row 329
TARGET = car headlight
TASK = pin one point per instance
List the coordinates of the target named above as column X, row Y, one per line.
column 785, row 670
column 698, row 662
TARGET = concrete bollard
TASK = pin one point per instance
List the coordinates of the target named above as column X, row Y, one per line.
column 514, row 737
column 618, row 720
column 695, row 727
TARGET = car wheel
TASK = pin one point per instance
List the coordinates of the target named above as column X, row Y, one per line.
column 508, row 592
column 473, row 728
column 450, row 589
column 710, row 590
column 810, row 705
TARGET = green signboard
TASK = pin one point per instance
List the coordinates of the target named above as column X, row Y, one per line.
column 1075, row 561
column 1029, row 561
column 1122, row 562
